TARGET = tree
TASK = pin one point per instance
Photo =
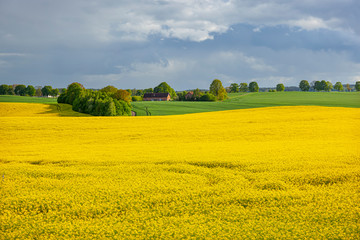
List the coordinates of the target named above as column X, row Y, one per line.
column 328, row 86
column 234, row 87
column 11, row 90
column 30, row 90
column 165, row 88
column 348, row 88
column 122, row 95
column 280, row 87
column 208, row 97
column 46, row 91
column 304, row 85
column 4, row 89
column 38, row 92
column 317, row 86
column 73, row 90
column 197, row 95
column 243, row 87
column 217, row 89
column 357, row 86
column 110, row 90
column 253, row 87
column 54, row 92
column 338, row 86
column 20, row 90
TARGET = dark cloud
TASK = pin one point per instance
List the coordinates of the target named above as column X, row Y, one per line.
column 141, row 43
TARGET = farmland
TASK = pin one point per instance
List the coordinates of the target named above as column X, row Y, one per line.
column 252, row 100
column 276, row 172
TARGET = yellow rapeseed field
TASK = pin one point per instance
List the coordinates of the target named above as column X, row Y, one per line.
column 267, row 173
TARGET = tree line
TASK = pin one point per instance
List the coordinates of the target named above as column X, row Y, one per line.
column 108, row 101
column 22, row 90
column 304, row 85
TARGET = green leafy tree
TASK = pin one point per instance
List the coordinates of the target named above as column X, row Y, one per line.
column 304, row 86
column 4, row 89
column 253, row 87
column 197, row 95
column 110, row 90
column 234, row 87
column 243, row 87
column 11, row 90
column 338, row 86
column 73, row 91
column 357, row 86
column 318, row 86
column 38, row 92
column 54, row 92
column 217, row 89
column 20, row 90
column 208, row 97
column 165, row 88
column 328, row 86
column 46, row 91
column 280, row 87
column 30, row 90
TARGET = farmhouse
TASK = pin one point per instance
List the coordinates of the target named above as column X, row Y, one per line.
column 156, row 97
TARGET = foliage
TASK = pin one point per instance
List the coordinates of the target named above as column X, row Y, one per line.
column 38, row 92
column 357, row 86
column 97, row 103
column 122, row 95
column 304, row 85
column 47, row 91
column 4, row 89
column 234, row 87
column 272, row 90
column 164, row 88
column 72, row 92
column 109, row 90
column 208, row 97
column 280, row 87
column 20, row 90
column 30, row 90
column 339, row 87
column 253, row 87
column 217, row 89
column 136, row 98
column 123, row 178
column 243, row 87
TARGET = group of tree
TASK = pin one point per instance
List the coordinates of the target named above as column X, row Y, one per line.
column 109, row 101
column 195, row 95
column 326, row 86
column 29, row 90
column 244, row 87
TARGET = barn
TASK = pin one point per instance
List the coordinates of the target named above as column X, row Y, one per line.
column 156, row 97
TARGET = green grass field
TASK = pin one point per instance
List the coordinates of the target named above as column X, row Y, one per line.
column 22, row 99
column 252, row 100
column 235, row 101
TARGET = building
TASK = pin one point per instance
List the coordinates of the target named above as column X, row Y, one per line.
column 156, row 97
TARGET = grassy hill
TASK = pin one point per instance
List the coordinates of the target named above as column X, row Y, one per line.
column 252, row 100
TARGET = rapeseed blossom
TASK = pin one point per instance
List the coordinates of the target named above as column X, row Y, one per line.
column 280, row 172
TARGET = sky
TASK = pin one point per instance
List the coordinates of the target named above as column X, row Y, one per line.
column 141, row 43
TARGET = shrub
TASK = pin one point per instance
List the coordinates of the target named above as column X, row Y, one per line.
column 208, row 97
column 136, row 98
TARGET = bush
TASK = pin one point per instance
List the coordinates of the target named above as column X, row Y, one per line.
column 208, row 97
column 136, row 98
